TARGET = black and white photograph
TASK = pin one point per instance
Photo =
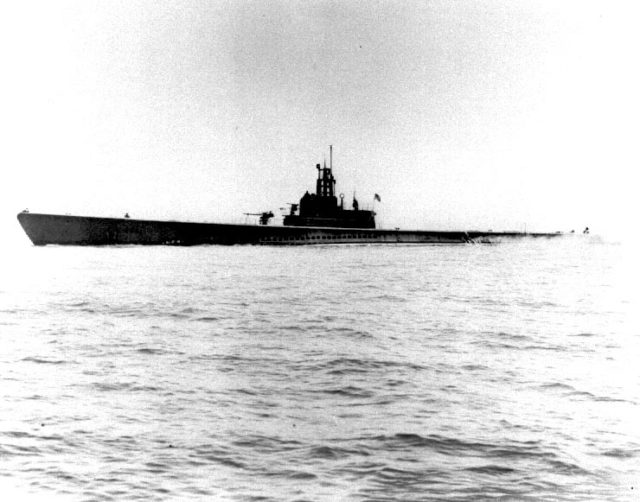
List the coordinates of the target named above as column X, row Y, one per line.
column 323, row 250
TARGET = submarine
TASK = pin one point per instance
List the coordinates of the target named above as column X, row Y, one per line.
column 318, row 218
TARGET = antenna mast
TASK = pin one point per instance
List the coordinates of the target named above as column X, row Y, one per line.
column 331, row 157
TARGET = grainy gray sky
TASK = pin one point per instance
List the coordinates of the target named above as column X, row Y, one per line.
column 460, row 114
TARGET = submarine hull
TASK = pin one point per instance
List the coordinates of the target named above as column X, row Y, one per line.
column 44, row 229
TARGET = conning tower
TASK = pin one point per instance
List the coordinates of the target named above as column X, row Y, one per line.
column 322, row 209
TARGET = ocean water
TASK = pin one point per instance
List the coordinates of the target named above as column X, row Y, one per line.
column 364, row 373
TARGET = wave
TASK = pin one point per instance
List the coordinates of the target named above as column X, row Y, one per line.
column 474, row 367
column 622, row 453
column 207, row 319
column 403, row 440
column 570, row 391
column 361, row 365
column 126, row 386
column 153, row 351
column 334, row 452
column 224, row 460
column 348, row 391
column 492, row 469
column 40, row 360
column 455, row 446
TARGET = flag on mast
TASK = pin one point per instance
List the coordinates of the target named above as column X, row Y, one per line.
column 376, row 197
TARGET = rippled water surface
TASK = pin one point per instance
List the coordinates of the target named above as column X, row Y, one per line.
column 468, row 372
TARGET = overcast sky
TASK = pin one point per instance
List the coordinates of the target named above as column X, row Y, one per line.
column 460, row 114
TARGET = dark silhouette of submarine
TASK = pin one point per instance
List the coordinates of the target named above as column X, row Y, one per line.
column 318, row 218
